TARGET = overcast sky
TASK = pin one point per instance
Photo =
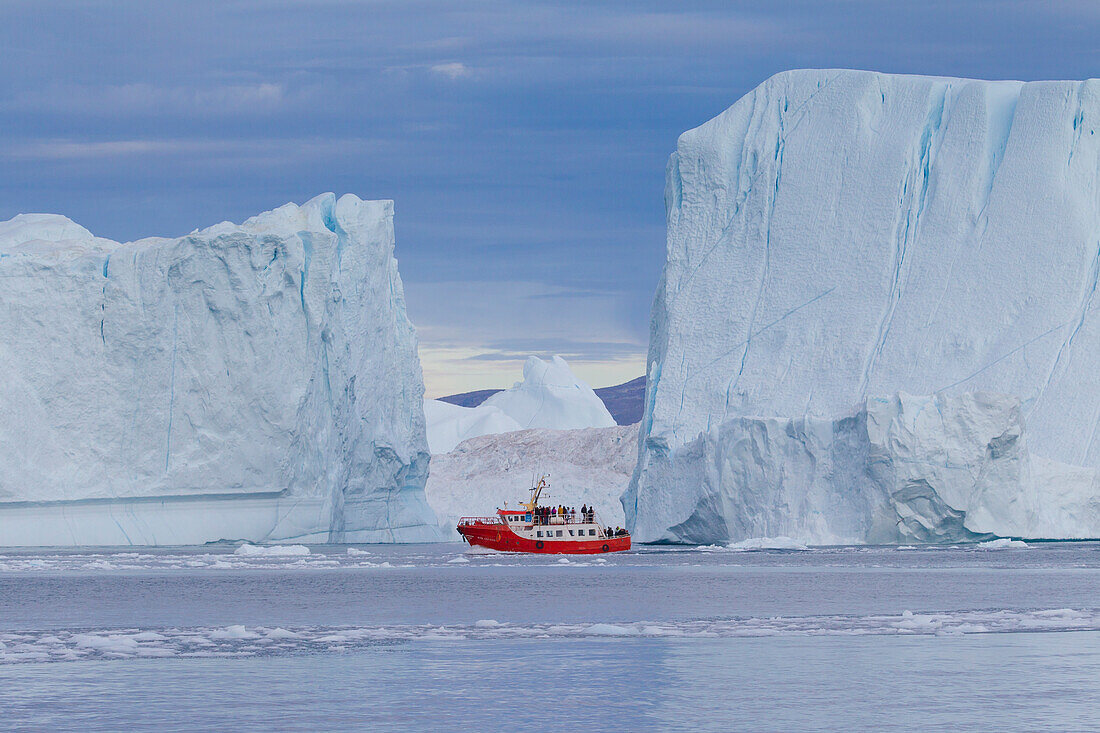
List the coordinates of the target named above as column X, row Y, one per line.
column 523, row 143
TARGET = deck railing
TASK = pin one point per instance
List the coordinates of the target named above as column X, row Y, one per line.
column 480, row 520
column 554, row 520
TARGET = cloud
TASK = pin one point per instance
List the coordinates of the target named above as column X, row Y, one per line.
column 454, row 370
column 150, row 99
column 477, row 334
column 451, row 70
column 518, row 349
column 255, row 150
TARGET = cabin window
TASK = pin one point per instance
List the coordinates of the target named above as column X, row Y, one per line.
column 591, row 533
column 559, row 533
column 570, row 533
column 540, row 533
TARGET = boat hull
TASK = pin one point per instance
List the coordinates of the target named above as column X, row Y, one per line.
column 502, row 538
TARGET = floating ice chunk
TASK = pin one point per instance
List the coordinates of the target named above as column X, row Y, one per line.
column 1003, row 544
column 280, row 633
column 113, row 643
column 611, row 630
column 768, row 543
column 918, row 622
column 458, row 560
column 487, row 623
column 272, row 550
column 237, row 631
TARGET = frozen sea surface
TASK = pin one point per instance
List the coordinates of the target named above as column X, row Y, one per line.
column 423, row 637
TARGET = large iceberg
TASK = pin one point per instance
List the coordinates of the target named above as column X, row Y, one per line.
column 549, row 396
column 836, row 237
column 256, row 381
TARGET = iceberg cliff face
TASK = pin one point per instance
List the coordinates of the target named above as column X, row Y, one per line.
column 901, row 470
column 255, row 381
column 841, row 235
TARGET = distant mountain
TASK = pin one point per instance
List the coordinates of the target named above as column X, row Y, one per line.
column 470, row 399
column 624, row 401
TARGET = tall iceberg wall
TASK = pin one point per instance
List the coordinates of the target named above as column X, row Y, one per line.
column 836, row 237
column 256, row 381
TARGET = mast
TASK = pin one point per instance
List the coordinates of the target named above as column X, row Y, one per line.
column 536, row 492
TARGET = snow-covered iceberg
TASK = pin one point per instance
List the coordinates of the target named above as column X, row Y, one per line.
column 587, row 466
column 256, row 381
column 839, row 236
column 549, row 396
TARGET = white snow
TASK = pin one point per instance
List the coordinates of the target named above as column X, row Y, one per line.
column 549, row 396
column 838, row 237
column 272, row 550
column 256, row 381
column 587, row 467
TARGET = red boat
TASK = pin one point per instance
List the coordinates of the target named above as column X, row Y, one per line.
column 543, row 530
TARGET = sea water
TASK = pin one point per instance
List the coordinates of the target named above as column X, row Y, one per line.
column 437, row 637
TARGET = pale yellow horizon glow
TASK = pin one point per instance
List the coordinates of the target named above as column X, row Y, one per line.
column 449, row 370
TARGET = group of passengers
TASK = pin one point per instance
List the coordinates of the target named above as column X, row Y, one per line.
column 568, row 515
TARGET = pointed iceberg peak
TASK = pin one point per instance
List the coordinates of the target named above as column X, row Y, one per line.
column 551, row 396
column 553, row 373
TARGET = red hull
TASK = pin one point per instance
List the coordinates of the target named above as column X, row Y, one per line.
column 501, row 537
